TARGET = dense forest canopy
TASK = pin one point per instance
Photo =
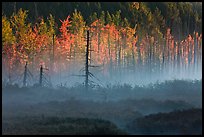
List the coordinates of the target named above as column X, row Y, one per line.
column 181, row 17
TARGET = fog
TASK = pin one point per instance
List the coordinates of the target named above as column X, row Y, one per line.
column 120, row 104
column 121, row 94
column 103, row 75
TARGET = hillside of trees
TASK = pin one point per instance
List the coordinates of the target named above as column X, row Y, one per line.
column 182, row 17
column 143, row 40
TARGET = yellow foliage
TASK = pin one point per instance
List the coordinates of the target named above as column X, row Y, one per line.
column 7, row 34
column 136, row 5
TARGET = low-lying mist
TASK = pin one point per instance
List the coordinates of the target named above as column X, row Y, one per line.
column 120, row 104
column 189, row 91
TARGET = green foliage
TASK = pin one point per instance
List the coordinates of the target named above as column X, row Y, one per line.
column 42, row 27
column 52, row 27
column 93, row 17
column 159, row 21
column 108, row 18
column 78, row 23
column 125, row 23
column 102, row 17
column 117, row 18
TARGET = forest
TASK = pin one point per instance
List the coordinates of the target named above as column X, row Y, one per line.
column 101, row 68
column 117, row 44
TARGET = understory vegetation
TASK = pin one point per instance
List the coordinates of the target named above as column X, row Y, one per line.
column 129, row 110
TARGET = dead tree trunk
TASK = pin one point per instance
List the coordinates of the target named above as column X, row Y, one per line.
column 14, row 7
column 119, row 52
column 133, row 58
column 36, row 10
column 87, row 61
column 90, row 53
column 25, row 76
column 53, row 53
column 99, row 40
column 109, row 51
column 41, row 75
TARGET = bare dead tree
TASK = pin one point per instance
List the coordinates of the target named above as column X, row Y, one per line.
column 53, row 48
column 36, row 10
column 14, row 7
column 87, row 63
column 43, row 81
column 41, row 75
column 25, row 76
column 52, row 55
column 88, row 74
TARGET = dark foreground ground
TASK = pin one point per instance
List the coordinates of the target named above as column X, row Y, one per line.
column 40, row 125
column 174, row 107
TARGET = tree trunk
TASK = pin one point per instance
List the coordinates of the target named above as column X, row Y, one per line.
column 36, row 10
column 25, row 76
column 86, row 64
column 14, row 7
column 41, row 73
